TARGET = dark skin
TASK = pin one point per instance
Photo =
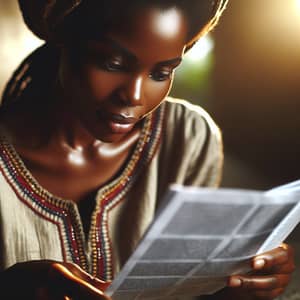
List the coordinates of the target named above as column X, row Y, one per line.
column 105, row 89
column 49, row 280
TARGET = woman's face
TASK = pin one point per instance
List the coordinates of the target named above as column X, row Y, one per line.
column 117, row 79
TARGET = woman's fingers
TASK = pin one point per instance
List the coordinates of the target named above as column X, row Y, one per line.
column 271, row 273
column 279, row 260
column 262, row 283
column 270, row 295
column 51, row 280
column 73, row 284
column 76, row 270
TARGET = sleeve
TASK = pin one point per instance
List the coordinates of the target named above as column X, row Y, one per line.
column 192, row 149
column 205, row 150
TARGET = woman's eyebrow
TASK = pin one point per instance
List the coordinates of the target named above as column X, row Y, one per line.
column 172, row 61
column 119, row 48
column 132, row 56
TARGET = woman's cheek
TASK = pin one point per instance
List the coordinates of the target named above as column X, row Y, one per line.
column 155, row 94
column 157, row 91
column 100, row 84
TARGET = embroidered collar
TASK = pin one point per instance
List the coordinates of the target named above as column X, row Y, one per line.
column 64, row 213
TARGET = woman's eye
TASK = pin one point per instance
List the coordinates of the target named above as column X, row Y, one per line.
column 161, row 75
column 113, row 65
column 109, row 64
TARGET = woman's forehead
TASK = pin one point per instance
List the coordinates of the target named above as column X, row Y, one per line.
column 152, row 30
column 167, row 23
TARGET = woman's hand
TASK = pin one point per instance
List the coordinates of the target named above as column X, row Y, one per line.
column 51, row 280
column 271, row 274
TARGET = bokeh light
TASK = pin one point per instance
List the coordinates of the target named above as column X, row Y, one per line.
column 193, row 77
column 200, row 50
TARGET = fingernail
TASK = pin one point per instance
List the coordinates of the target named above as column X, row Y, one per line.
column 259, row 263
column 235, row 282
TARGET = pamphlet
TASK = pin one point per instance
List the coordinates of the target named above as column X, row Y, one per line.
column 200, row 236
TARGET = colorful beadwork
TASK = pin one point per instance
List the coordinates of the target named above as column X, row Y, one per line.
column 64, row 212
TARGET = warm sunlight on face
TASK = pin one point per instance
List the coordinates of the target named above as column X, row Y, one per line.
column 76, row 156
column 167, row 22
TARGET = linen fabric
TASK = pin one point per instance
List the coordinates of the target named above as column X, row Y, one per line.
column 186, row 149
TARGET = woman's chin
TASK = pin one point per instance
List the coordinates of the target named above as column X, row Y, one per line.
column 112, row 132
column 109, row 138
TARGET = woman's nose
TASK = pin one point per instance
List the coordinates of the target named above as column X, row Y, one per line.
column 132, row 91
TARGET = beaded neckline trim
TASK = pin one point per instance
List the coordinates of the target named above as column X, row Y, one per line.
column 64, row 213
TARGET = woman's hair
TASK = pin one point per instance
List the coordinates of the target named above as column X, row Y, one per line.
column 93, row 16
column 61, row 21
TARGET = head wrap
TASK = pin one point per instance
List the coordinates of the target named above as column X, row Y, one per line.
column 42, row 16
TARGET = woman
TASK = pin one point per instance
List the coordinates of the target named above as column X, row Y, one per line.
column 84, row 176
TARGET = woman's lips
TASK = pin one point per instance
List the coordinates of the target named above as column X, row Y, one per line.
column 120, row 128
column 118, row 123
column 123, row 119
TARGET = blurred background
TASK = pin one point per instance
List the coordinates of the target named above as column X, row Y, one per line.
column 252, row 89
column 246, row 74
